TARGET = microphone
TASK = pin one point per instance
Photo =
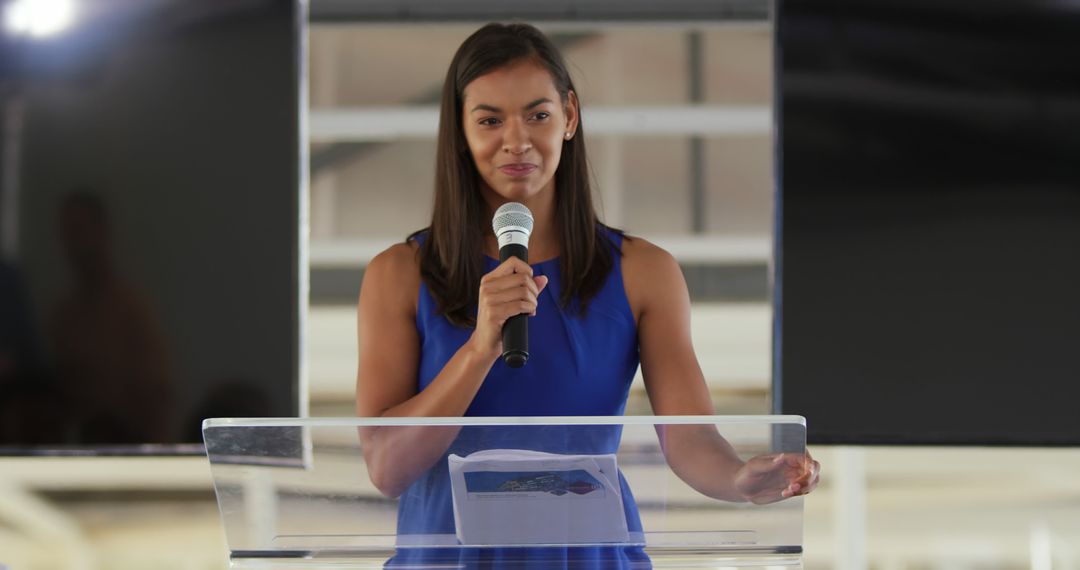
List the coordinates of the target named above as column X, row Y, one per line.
column 513, row 223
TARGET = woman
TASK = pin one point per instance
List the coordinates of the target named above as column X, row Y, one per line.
column 431, row 310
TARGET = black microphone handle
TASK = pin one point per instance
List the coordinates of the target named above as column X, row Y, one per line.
column 515, row 330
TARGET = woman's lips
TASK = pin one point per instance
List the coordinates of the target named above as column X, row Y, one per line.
column 517, row 170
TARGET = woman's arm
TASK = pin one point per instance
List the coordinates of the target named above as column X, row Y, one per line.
column 698, row 454
column 389, row 356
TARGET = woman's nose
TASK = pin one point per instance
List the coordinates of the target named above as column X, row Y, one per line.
column 516, row 138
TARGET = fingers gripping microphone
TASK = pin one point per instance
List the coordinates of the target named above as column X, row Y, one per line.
column 513, row 223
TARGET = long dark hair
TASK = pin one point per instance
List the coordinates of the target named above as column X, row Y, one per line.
column 451, row 260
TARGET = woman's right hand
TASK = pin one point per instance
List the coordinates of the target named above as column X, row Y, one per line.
column 508, row 290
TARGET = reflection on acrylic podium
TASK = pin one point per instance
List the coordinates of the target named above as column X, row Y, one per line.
column 565, row 492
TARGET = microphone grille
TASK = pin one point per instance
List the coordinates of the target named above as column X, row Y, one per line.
column 512, row 214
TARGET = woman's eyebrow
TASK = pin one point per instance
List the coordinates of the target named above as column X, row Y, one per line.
column 539, row 101
column 493, row 109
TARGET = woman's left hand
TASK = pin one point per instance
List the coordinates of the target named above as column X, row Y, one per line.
column 770, row 478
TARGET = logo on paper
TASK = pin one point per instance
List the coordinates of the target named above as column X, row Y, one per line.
column 578, row 482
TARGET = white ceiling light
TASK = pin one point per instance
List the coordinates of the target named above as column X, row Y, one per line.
column 39, row 18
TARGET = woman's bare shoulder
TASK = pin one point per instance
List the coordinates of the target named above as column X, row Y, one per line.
column 650, row 274
column 398, row 257
column 644, row 256
column 394, row 275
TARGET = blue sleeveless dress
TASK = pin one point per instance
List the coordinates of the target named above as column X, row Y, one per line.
column 578, row 366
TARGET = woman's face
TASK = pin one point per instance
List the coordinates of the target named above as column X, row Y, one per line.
column 515, row 124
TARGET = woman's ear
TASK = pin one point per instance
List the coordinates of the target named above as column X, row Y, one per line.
column 570, row 109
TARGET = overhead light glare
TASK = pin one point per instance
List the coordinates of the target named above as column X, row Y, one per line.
column 39, row 18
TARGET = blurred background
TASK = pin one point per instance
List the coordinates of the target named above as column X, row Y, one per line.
column 681, row 134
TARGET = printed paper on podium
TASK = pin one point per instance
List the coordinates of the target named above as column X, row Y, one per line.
column 512, row 497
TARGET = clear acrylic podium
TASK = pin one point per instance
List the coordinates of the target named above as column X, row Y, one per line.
column 553, row 492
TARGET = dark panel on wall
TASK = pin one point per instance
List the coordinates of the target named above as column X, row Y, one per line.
column 155, row 262
column 929, row 221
